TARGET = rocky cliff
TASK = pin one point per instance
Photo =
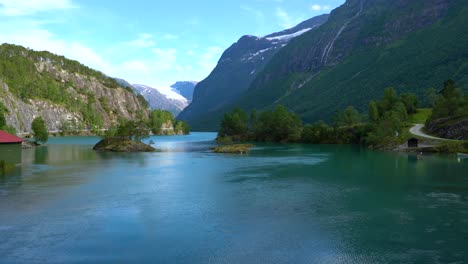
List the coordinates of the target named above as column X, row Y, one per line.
column 62, row 91
column 453, row 128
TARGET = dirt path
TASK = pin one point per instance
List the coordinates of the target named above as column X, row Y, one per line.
column 416, row 130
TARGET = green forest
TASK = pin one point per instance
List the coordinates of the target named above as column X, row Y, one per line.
column 386, row 122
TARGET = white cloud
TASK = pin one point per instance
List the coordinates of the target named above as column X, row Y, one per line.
column 209, row 58
column 41, row 39
column 286, row 20
column 317, row 7
column 165, row 56
column 156, row 66
column 144, row 41
column 135, row 65
column 259, row 17
column 29, row 7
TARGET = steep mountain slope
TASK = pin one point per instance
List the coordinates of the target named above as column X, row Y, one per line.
column 161, row 101
column 185, row 89
column 62, row 91
column 123, row 83
column 236, row 69
column 364, row 47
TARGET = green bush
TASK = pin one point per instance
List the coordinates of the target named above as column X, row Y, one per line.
column 39, row 129
column 158, row 118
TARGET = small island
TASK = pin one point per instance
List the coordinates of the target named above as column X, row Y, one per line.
column 126, row 137
column 122, row 145
column 233, row 149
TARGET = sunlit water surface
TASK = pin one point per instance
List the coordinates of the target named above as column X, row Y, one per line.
column 279, row 204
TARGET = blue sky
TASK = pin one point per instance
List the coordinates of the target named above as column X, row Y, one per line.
column 150, row 42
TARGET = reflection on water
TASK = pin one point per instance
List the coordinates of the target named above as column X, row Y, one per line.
column 279, row 204
column 10, row 156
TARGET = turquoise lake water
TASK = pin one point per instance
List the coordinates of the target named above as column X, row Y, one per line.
column 279, row 204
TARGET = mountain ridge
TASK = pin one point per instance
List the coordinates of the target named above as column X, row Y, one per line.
column 238, row 66
column 158, row 100
column 363, row 47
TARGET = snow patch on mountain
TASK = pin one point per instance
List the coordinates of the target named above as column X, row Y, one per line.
column 289, row 36
column 162, row 99
column 167, row 91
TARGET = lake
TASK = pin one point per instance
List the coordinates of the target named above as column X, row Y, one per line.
column 279, row 204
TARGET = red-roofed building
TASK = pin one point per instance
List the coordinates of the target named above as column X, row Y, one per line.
column 6, row 138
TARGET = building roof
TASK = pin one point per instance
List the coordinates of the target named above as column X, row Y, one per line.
column 6, row 138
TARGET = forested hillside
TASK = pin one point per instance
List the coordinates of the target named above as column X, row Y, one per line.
column 64, row 92
column 365, row 46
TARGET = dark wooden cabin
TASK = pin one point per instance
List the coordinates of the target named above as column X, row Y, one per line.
column 413, row 143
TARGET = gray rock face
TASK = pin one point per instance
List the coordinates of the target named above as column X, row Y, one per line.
column 449, row 128
column 110, row 103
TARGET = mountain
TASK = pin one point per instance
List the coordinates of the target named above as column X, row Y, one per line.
column 62, row 91
column 123, row 83
column 364, row 47
column 173, row 103
column 185, row 89
column 237, row 68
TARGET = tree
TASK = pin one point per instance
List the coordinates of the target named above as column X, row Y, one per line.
column 2, row 119
column 234, row 124
column 374, row 114
column 401, row 111
column 39, row 129
column 158, row 119
column 253, row 120
column 410, row 101
column 3, row 122
column 182, row 127
column 389, row 99
column 316, row 133
column 350, row 117
column 133, row 130
column 431, row 96
column 3, row 111
column 450, row 102
column 278, row 126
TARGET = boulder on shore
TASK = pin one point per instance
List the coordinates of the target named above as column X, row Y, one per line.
column 122, row 145
column 28, row 144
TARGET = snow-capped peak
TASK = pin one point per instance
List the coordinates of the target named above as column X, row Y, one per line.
column 289, row 36
column 167, row 91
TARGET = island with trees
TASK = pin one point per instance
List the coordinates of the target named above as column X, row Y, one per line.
column 127, row 136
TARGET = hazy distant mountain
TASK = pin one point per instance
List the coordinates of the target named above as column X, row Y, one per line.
column 171, row 102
